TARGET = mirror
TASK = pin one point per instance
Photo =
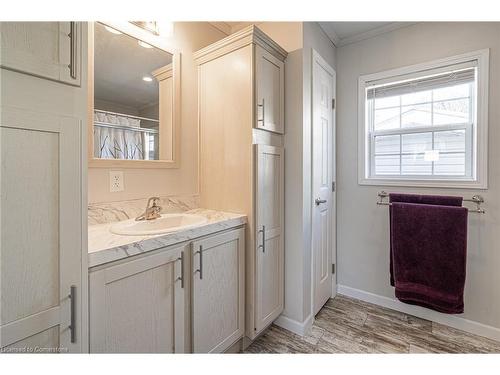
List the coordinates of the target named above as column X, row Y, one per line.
column 133, row 113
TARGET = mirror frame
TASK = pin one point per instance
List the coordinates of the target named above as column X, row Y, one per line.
column 158, row 42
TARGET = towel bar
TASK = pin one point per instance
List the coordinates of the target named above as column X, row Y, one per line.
column 477, row 199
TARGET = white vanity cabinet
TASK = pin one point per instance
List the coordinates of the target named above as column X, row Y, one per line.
column 139, row 306
column 241, row 100
column 182, row 298
column 218, row 292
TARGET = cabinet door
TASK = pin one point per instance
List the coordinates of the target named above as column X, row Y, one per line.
column 270, row 87
column 218, row 291
column 269, row 299
column 138, row 306
column 49, row 50
column 40, row 242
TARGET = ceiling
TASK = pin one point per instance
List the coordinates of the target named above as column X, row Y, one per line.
column 342, row 33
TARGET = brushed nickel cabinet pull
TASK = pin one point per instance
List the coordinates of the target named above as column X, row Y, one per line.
column 263, row 245
column 72, row 49
column 263, row 113
column 200, row 270
column 181, row 277
column 72, row 327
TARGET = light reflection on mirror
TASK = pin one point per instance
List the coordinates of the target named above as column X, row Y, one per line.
column 126, row 96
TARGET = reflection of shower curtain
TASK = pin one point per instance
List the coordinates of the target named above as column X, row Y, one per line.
column 111, row 143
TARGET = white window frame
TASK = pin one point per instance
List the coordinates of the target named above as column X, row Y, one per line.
column 479, row 129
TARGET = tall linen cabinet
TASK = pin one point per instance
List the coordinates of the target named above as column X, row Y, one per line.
column 241, row 124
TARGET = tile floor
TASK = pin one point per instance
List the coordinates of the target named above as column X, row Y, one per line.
column 346, row 325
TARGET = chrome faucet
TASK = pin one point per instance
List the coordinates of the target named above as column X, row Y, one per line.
column 152, row 210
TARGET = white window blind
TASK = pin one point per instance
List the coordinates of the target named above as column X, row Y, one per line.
column 421, row 125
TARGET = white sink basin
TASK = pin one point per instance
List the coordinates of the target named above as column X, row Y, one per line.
column 165, row 224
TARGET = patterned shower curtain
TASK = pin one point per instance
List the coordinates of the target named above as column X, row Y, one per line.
column 112, row 143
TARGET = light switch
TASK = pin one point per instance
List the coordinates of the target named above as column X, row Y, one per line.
column 116, row 181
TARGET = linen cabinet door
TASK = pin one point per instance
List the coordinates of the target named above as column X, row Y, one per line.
column 270, row 91
column 218, row 291
column 40, row 234
column 269, row 301
column 138, row 306
column 49, row 50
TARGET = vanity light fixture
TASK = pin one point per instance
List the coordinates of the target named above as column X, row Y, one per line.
column 147, row 79
column 158, row 28
column 144, row 44
column 111, row 30
column 150, row 26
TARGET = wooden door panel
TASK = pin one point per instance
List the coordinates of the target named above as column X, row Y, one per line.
column 42, row 49
column 271, row 275
column 139, row 312
column 218, row 300
column 270, row 91
column 30, row 236
column 269, row 236
column 138, row 306
column 40, row 257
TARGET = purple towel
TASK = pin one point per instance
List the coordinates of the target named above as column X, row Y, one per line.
column 429, row 249
column 422, row 199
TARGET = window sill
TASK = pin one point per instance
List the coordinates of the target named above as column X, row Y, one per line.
column 445, row 184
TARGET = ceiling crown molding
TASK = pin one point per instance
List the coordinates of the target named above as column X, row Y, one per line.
column 328, row 28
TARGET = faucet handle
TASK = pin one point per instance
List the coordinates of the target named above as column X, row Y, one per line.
column 155, row 207
column 154, row 201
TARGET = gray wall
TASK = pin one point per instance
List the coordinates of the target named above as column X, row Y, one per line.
column 362, row 227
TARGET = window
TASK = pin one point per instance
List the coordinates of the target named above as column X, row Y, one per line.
column 425, row 125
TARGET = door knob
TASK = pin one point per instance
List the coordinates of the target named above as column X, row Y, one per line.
column 318, row 201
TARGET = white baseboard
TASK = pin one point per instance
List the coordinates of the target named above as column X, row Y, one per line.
column 454, row 321
column 300, row 328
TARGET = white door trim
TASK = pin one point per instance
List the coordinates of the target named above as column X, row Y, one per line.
column 316, row 58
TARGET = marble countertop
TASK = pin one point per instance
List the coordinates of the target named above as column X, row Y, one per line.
column 105, row 247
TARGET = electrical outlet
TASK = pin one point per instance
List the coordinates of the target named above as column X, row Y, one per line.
column 116, row 181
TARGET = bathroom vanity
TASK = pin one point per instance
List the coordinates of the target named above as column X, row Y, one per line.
column 177, row 292
column 200, row 287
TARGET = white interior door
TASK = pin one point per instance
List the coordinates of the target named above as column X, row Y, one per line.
column 323, row 174
column 269, row 235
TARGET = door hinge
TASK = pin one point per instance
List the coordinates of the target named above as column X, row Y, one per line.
column 333, row 104
column 333, row 186
column 333, row 268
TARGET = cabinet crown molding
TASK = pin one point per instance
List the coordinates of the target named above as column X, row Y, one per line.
column 249, row 35
column 164, row 72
